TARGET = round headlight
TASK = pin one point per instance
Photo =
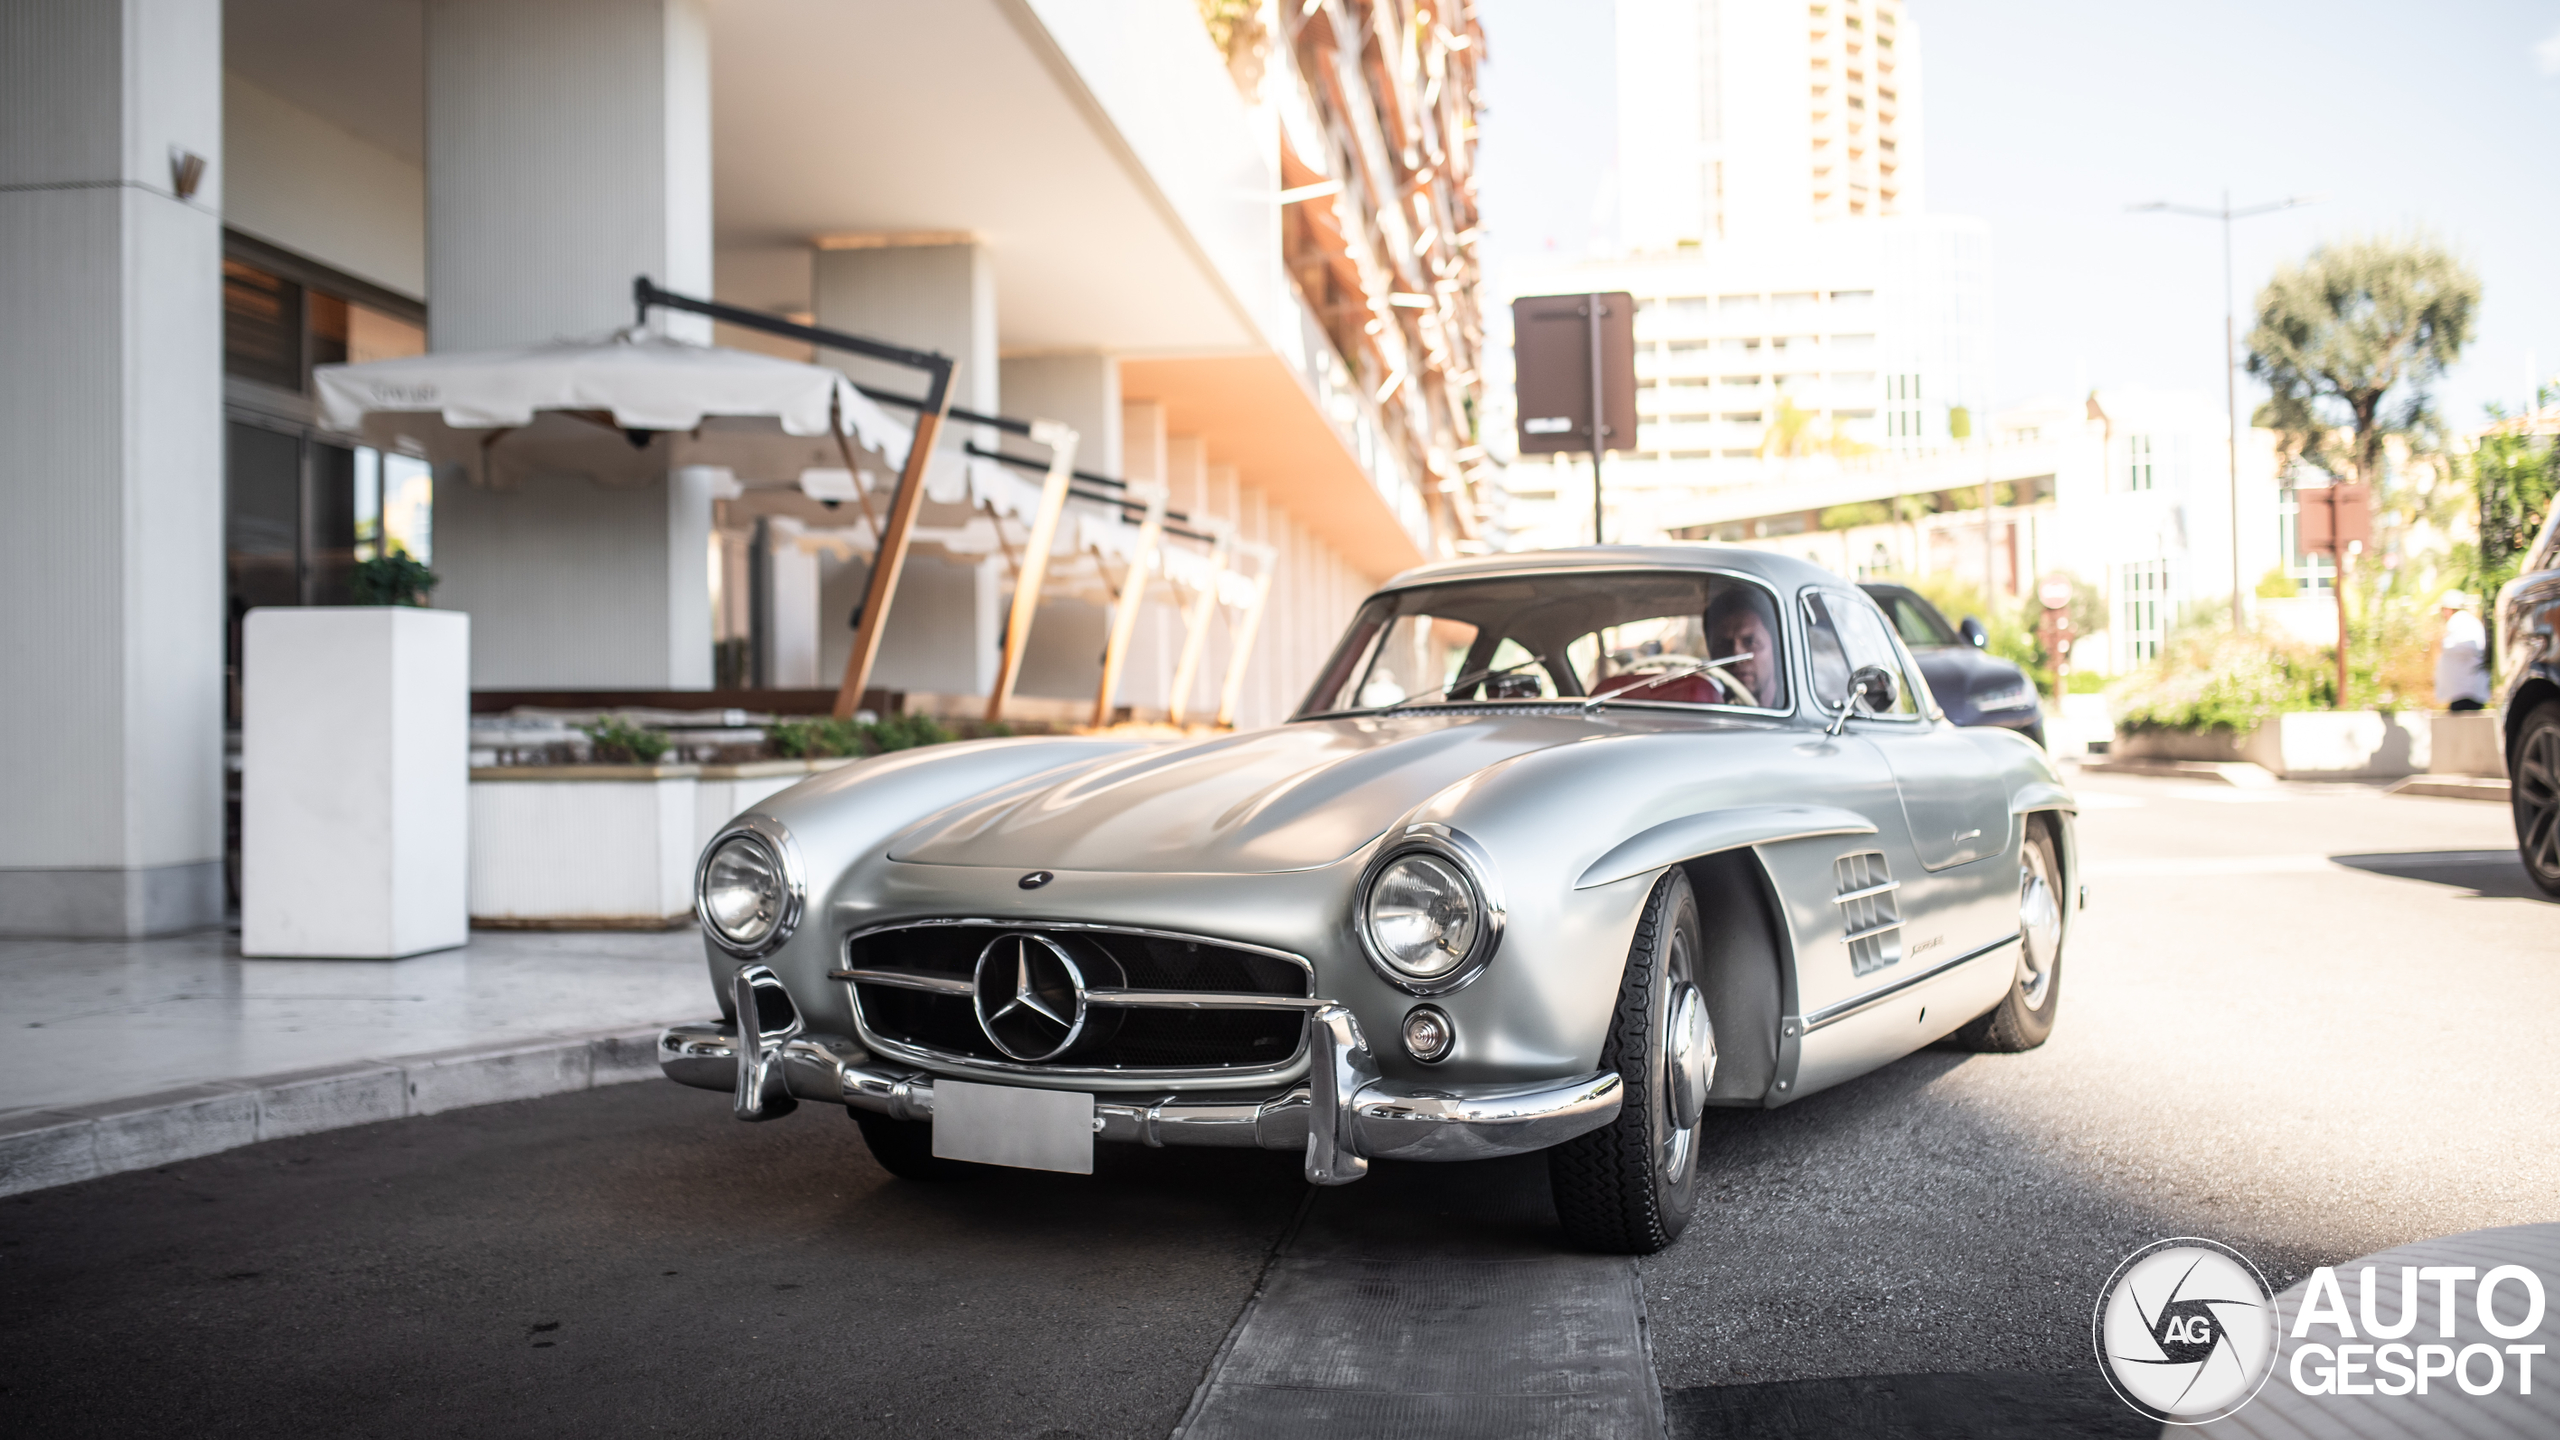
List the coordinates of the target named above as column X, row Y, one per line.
column 743, row 892
column 1422, row 916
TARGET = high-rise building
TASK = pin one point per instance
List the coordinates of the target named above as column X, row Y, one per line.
column 1738, row 117
column 1795, row 304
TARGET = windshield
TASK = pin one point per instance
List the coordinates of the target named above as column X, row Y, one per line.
column 1914, row 619
column 1650, row 637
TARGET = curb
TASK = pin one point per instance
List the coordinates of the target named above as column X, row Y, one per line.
column 2241, row 773
column 2455, row 787
column 62, row 1145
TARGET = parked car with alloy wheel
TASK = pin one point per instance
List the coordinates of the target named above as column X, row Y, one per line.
column 1560, row 850
column 1973, row 686
column 2529, row 704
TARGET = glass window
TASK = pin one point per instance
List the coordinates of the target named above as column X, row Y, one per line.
column 261, row 326
column 1915, row 621
column 1842, row 635
column 1655, row 637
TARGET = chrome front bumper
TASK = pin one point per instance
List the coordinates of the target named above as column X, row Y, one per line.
column 1343, row 1116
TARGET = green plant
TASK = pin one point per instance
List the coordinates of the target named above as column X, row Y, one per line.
column 2209, row 679
column 2277, row 585
column 617, row 741
column 394, row 579
column 2086, row 682
column 906, row 732
column 827, row 737
column 819, row 739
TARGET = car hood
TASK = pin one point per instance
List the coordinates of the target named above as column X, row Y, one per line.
column 1956, row 672
column 1294, row 797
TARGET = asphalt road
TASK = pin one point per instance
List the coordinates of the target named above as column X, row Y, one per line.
column 2306, row 1059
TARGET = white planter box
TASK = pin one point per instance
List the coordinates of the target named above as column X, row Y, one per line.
column 355, row 746
column 583, row 847
column 2304, row 745
column 2468, row 743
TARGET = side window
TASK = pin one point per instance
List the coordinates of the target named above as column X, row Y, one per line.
column 1842, row 636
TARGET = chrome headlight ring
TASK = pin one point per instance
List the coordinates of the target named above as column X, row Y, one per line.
column 774, row 841
column 1456, row 850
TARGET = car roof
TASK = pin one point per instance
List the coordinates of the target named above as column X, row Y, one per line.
column 1778, row 570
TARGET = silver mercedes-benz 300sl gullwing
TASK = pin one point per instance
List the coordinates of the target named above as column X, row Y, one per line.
column 1560, row 850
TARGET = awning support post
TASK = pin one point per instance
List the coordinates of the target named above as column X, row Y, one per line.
column 1233, row 695
column 1195, row 634
column 1133, row 594
column 1034, row 570
column 890, row 559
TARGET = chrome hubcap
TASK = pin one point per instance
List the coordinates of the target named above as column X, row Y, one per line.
column 2039, row 927
column 1688, row 1060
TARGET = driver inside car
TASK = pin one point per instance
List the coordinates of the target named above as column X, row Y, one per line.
column 1741, row 622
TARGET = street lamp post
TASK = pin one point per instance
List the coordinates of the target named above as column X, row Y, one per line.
column 2230, row 360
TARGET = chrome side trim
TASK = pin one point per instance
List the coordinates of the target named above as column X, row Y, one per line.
column 1886, row 888
column 910, row 980
column 1829, row 1014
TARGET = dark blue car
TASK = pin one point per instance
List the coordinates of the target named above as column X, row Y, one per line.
column 1974, row 688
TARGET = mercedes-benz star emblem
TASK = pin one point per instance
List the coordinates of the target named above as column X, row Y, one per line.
column 1035, row 879
column 1030, row 996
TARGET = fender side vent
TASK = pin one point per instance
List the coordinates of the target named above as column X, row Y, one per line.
column 1870, row 921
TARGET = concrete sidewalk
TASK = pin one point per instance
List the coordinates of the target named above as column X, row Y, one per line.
column 128, row 1054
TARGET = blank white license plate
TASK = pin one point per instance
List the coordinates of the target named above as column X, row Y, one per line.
column 1007, row 1125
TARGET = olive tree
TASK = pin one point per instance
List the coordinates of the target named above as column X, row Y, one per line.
column 2354, row 322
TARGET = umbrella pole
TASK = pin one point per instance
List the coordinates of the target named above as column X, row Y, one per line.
column 1034, row 569
column 891, row 557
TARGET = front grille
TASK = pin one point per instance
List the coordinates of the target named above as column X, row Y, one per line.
column 1117, row 1040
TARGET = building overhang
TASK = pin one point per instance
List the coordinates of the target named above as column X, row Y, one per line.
column 1258, row 417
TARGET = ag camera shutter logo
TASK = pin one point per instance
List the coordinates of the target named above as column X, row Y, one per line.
column 2185, row 1331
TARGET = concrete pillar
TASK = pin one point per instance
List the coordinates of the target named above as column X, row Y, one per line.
column 569, row 149
column 933, row 296
column 110, row 467
column 1064, row 658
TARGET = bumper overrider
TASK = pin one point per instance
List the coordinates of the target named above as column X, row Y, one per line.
column 1342, row 1116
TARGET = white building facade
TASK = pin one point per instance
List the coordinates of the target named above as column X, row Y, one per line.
column 1083, row 204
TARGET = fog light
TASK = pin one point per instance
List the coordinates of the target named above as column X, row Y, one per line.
column 1428, row 1035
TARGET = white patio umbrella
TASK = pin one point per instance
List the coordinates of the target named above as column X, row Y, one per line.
column 618, row 411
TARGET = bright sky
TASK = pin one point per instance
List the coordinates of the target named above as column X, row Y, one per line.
column 2048, row 120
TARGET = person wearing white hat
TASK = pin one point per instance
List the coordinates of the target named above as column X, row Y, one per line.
column 2462, row 666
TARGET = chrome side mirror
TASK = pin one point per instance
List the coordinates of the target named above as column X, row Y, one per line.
column 1872, row 691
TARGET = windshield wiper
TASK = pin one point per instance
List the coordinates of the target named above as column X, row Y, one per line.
column 1462, row 682
column 1674, row 672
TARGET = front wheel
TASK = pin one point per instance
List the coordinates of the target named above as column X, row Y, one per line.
column 1629, row 1187
column 2023, row 1019
column 2535, row 791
